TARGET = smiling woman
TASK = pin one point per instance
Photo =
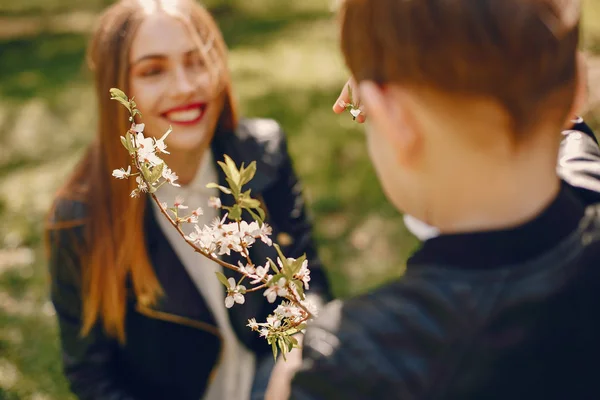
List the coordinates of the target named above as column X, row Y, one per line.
column 175, row 84
column 141, row 315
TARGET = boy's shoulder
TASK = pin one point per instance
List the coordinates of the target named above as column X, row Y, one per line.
column 386, row 341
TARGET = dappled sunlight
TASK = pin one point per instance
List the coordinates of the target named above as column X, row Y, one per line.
column 303, row 57
column 286, row 65
column 9, row 374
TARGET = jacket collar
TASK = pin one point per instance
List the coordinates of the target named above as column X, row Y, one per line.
column 494, row 249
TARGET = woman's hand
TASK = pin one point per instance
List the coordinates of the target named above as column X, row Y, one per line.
column 279, row 387
column 340, row 105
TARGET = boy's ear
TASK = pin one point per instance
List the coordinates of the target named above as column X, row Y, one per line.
column 389, row 116
column 581, row 91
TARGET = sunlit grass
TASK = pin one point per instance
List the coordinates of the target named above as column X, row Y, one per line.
column 285, row 64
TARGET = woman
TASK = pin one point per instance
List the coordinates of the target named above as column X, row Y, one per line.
column 141, row 315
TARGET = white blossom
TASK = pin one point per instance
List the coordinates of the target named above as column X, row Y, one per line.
column 304, row 274
column 260, row 274
column 121, row 173
column 203, row 238
column 170, row 176
column 144, row 143
column 355, row 112
column 192, row 219
column 252, row 324
column 273, row 321
column 264, row 233
column 214, row 202
column 288, row 310
column 234, row 293
column 277, row 289
column 247, row 269
column 138, row 127
column 160, row 145
column 142, row 186
column 149, row 157
column 179, row 203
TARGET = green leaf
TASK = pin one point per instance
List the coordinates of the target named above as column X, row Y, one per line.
column 290, row 343
column 235, row 213
column 124, row 102
column 117, row 93
column 261, row 213
column 249, row 203
column 300, row 287
column 233, row 170
column 273, row 267
column 274, row 347
column 294, row 330
column 254, row 216
column 276, row 278
column 235, row 188
column 246, row 174
column 286, row 267
column 222, row 278
column 283, row 347
column 137, row 112
column 221, row 188
column 125, row 144
column 156, row 173
column 296, row 265
column 146, row 172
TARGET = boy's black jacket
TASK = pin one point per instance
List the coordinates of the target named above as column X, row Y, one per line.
column 511, row 314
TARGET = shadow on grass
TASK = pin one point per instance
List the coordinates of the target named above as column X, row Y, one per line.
column 40, row 67
column 33, row 350
column 29, row 348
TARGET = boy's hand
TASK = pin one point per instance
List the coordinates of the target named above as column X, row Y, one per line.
column 340, row 105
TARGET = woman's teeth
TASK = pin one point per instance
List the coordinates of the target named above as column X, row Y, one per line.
column 184, row 116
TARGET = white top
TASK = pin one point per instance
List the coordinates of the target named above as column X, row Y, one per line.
column 419, row 228
column 235, row 371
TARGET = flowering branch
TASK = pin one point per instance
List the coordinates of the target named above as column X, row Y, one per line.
column 289, row 278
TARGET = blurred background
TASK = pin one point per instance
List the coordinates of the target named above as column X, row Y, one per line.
column 286, row 65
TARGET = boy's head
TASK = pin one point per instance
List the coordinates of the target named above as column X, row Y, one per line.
column 447, row 82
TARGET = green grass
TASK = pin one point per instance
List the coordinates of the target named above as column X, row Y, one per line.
column 285, row 65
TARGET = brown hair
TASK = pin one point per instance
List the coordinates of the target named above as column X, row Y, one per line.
column 520, row 53
column 114, row 233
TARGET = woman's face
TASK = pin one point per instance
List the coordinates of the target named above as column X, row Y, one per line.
column 171, row 84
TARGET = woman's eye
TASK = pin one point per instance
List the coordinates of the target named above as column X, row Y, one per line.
column 151, row 71
column 196, row 61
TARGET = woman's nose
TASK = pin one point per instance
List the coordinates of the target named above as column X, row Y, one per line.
column 183, row 83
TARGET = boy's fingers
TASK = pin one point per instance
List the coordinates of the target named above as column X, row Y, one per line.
column 340, row 104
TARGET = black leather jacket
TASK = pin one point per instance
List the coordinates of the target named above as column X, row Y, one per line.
column 172, row 347
column 492, row 315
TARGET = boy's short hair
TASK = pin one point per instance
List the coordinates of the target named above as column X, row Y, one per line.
column 521, row 53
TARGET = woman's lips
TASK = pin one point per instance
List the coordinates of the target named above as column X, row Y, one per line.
column 186, row 115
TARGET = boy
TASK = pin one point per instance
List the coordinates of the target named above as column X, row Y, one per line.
column 464, row 99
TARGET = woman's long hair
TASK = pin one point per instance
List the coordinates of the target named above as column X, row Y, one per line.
column 115, row 246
